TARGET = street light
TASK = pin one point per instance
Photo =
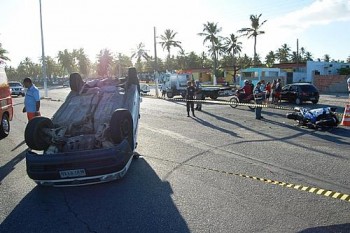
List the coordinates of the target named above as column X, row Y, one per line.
column 43, row 52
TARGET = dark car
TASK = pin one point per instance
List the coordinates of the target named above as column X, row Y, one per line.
column 300, row 92
column 91, row 138
column 16, row 88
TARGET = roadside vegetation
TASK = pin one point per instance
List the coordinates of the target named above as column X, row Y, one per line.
column 219, row 52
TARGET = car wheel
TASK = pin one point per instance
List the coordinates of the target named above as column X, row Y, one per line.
column 121, row 127
column 298, row 101
column 292, row 116
column 34, row 134
column 214, row 96
column 4, row 126
column 75, row 82
column 234, row 101
column 315, row 101
column 169, row 95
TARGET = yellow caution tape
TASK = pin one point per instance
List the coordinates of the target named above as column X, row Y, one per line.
column 225, row 102
column 314, row 190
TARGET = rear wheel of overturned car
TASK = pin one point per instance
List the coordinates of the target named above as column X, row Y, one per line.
column 34, row 134
column 314, row 101
column 4, row 126
column 75, row 82
column 121, row 127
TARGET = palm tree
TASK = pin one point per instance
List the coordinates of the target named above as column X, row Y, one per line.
column 83, row 62
column 254, row 30
column 326, row 58
column 308, row 56
column 140, row 52
column 66, row 59
column 283, row 53
column 168, row 40
column 270, row 59
column 210, row 31
column 2, row 54
column 232, row 45
column 105, row 60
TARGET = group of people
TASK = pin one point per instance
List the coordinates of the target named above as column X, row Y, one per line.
column 268, row 89
column 193, row 92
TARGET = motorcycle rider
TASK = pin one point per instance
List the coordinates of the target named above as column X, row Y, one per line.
column 245, row 91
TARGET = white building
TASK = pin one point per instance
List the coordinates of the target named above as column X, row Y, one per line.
column 323, row 68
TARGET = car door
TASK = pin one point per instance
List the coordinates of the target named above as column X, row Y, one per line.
column 293, row 93
column 285, row 92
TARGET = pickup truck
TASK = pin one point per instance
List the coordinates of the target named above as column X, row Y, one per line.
column 176, row 84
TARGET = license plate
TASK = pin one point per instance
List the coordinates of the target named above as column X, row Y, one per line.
column 72, row 173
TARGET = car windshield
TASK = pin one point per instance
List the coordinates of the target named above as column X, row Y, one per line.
column 14, row 84
column 308, row 88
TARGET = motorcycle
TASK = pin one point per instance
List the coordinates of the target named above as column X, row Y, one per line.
column 315, row 118
column 240, row 97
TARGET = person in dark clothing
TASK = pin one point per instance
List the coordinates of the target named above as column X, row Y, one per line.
column 258, row 96
column 190, row 94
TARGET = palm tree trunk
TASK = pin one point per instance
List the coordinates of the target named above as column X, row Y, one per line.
column 254, row 50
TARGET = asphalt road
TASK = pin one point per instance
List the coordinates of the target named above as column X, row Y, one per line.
column 192, row 176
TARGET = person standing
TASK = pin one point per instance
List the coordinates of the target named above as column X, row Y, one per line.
column 278, row 91
column 268, row 92
column 199, row 96
column 31, row 99
column 348, row 81
column 190, row 94
column 258, row 96
column 163, row 90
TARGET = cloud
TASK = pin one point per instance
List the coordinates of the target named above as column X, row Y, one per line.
column 320, row 12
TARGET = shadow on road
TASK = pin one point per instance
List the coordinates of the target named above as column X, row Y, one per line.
column 140, row 202
column 9, row 166
column 333, row 228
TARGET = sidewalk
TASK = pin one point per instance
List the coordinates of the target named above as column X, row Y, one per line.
column 335, row 97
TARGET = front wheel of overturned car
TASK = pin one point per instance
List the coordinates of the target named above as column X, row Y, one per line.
column 4, row 126
column 34, row 134
column 121, row 127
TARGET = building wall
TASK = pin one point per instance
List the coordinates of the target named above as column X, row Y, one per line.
column 323, row 68
column 331, row 83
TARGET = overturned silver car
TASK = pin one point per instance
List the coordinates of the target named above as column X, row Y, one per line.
column 91, row 138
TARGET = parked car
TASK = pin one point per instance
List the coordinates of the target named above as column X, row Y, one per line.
column 65, row 84
column 16, row 88
column 6, row 105
column 91, row 138
column 300, row 92
column 144, row 88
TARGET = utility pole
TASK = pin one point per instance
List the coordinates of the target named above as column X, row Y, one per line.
column 297, row 55
column 156, row 74
column 43, row 52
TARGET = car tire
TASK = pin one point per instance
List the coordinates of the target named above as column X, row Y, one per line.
column 169, row 95
column 121, row 127
column 75, row 82
column 298, row 101
column 292, row 116
column 214, row 96
column 234, row 102
column 4, row 126
column 34, row 135
column 314, row 101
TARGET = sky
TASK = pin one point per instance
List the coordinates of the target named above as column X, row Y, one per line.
column 320, row 26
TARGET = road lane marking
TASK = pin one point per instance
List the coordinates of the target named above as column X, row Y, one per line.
column 314, row 190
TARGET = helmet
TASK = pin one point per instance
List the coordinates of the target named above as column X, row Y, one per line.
column 246, row 81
